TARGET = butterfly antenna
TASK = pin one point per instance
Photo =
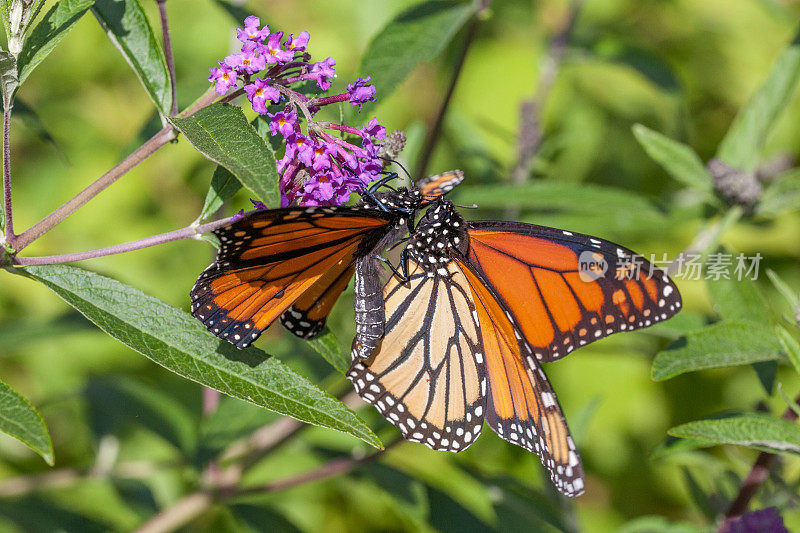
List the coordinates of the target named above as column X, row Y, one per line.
column 399, row 164
column 473, row 206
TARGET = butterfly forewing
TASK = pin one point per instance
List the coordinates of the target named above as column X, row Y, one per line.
column 433, row 187
column 269, row 259
column 427, row 375
column 553, row 283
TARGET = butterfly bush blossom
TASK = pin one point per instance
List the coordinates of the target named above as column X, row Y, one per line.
column 325, row 163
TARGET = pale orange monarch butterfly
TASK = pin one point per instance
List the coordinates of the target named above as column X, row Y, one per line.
column 294, row 262
column 481, row 306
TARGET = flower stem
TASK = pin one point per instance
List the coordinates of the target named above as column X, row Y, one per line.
column 158, row 140
column 162, row 11
column 530, row 131
column 189, row 232
column 10, row 237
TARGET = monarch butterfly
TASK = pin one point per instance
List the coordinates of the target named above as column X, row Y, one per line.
column 294, row 262
column 481, row 306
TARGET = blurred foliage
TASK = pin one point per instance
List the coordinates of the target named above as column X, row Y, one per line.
column 647, row 93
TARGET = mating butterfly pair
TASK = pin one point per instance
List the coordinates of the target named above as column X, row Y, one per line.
column 458, row 336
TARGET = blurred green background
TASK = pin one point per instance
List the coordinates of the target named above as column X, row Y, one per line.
column 681, row 67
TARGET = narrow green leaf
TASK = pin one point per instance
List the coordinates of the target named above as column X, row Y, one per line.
column 560, row 196
column 22, row 421
column 415, row 36
column 678, row 159
column 781, row 196
column 741, row 147
column 222, row 133
column 48, row 33
column 790, row 347
column 127, row 26
column 328, row 347
column 727, row 343
column 739, row 300
column 178, row 342
column 5, row 15
column 26, row 114
column 223, row 186
column 791, row 296
column 762, row 432
column 8, row 76
column 237, row 13
column 119, row 402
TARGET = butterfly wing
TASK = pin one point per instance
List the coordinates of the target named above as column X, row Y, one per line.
column 307, row 315
column 434, row 186
column 268, row 259
column 521, row 406
column 427, row 376
column 559, row 306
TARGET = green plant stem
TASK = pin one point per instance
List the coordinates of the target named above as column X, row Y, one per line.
column 530, row 135
column 9, row 227
column 755, row 478
column 435, row 132
column 162, row 11
column 189, row 232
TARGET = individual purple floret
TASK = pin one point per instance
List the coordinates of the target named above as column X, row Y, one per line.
column 251, row 32
column 298, row 44
column 273, row 51
column 259, row 92
column 249, row 61
column 361, row 92
column 223, row 78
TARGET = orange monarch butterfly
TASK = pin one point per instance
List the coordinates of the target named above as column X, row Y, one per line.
column 481, row 306
column 294, row 262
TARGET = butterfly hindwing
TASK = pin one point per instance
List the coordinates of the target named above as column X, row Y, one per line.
column 427, row 375
column 521, row 406
column 543, row 277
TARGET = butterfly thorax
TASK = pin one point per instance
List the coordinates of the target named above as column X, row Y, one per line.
column 440, row 234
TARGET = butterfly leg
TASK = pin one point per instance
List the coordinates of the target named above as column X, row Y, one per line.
column 403, row 277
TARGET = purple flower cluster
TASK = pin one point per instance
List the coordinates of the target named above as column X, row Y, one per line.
column 325, row 163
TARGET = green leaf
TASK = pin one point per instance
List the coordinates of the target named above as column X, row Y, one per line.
column 791, row 296
column 741, row 147
column 727, row 343
column 26, row 114
column 8, row 77
column 790, row 347
column 22, row 421
column 678, row 159
column 762, row 432
column 781, row 196
column 115, row 403
column 416, row 35
column 126, row 24
column 559, row 196
column 5, row 15
column 739, row 300
column 223, row 186
column 237, row 13
column 222, row 133
column 328, row 347
column 53, row 27
column 178, row 342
